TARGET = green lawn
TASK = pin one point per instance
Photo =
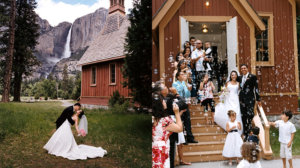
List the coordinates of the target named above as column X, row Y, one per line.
column 26, row 127
column 275, row 144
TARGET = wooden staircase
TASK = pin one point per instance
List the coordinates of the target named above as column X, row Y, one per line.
column 210, row 138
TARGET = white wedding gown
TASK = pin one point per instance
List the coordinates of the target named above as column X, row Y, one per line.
column 231, row 103
column 62, row 143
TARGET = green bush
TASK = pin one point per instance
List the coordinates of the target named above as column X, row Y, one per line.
column 116, row 98
column 120, row 108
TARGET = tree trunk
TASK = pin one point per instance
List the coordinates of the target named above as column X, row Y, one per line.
column 9, row 58
column 17, row 86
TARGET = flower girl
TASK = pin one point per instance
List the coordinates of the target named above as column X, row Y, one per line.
column 233, row 142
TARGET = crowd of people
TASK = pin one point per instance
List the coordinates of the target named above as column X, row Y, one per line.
column 193, row 84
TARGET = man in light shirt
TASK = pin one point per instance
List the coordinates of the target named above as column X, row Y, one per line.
column 198, row 56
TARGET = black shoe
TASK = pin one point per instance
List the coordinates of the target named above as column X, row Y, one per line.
column 192, row 141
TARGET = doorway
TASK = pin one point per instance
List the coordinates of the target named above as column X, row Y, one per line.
column 222, row 35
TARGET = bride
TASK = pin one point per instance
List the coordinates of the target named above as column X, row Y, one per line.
column 231, row 102
column 62, row 143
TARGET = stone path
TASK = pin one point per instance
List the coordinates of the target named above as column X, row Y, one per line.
column 223, row 164
column 66, row 103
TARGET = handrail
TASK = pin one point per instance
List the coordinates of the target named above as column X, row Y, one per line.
column 264, row 134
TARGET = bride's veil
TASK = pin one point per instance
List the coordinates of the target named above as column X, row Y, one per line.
column 83, row 124
column 229, row 72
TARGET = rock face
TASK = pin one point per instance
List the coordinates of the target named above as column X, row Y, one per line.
column 51, row 45
column 52, row 41
column 86, row 28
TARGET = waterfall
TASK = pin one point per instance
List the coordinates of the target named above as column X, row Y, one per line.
column 67, row 51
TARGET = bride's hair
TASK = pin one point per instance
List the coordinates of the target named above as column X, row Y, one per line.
column 231, row 112
column 231, row 73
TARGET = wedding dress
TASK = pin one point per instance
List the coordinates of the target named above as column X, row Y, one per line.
column 231, row 102
column 62, row 143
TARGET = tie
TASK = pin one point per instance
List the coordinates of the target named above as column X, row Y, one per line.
column 244, row 80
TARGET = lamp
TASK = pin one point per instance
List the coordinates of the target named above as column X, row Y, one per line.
column 204, row 29
column 207, row 3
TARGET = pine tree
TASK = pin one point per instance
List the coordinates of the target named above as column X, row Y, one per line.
column 65, row 80
column 10, row 52
column 26, row 35
column 137, row 67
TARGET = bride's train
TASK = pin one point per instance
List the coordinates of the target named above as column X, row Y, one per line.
column 62, row 143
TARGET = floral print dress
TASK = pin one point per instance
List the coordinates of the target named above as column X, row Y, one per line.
column 160, row 143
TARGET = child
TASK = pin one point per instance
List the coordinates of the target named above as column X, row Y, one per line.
column 253, row 137
column 286, row 136
column 207, row 99
column 250, row 154
column 233, row 142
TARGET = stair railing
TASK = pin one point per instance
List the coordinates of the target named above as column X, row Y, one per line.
column 260, row 120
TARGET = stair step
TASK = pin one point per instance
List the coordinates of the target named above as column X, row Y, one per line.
column 207, row 137
column 200, row 120
column 204, row 146
column 197, row 113
column 203, row 156
column 207, row 129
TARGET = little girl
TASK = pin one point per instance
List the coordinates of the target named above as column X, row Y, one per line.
column 233, row 142
column 206, row 88
column 250, row 152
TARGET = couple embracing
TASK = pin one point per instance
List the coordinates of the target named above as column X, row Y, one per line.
column 241, row 94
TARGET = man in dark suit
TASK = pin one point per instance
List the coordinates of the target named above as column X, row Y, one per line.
column 67, row 114
column 248, row 94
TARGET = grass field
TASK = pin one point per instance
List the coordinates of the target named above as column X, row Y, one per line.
column 275, row 144
column 26, row 127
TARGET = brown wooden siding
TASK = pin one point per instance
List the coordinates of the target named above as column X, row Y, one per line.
column 103, row 90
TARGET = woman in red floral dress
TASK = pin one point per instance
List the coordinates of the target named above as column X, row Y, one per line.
column 163, row 126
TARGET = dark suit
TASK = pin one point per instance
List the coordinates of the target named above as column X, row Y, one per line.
column 66, row 114
column 248, row 94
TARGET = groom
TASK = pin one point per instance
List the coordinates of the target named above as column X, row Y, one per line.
column 248, row 94
column 67, row 114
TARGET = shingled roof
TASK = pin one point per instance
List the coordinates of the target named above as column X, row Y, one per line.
column 109, row 45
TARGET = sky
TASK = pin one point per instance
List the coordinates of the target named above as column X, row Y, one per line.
column 57, row 11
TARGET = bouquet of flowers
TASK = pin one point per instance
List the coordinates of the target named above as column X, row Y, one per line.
column 82, row 133
column 222, row 95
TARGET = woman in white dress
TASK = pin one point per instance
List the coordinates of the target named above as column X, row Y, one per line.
column 231, row 102
column 62, row 143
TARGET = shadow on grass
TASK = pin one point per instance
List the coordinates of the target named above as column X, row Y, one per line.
column 26, row 127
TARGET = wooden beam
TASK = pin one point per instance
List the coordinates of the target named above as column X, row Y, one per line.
column 207, row 18
column 166, row 19
column 253, row 15
column 162, row 12
column 249, row 22
column 280, row 94
column 293, row 3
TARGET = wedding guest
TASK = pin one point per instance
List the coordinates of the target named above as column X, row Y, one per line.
column 286, row 136
column 198, row 56
column 251, row 156
column 187, row 53
column 179, row 56
column 233, row 142
column 209, row 59
column 184, row 91
column 187, row 44
column 163, row 126
column 207, row 87
column 253, row 137
column 193, row 45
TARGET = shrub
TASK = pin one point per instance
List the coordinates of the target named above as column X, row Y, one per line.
column 120, row 108
column 116, row 98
